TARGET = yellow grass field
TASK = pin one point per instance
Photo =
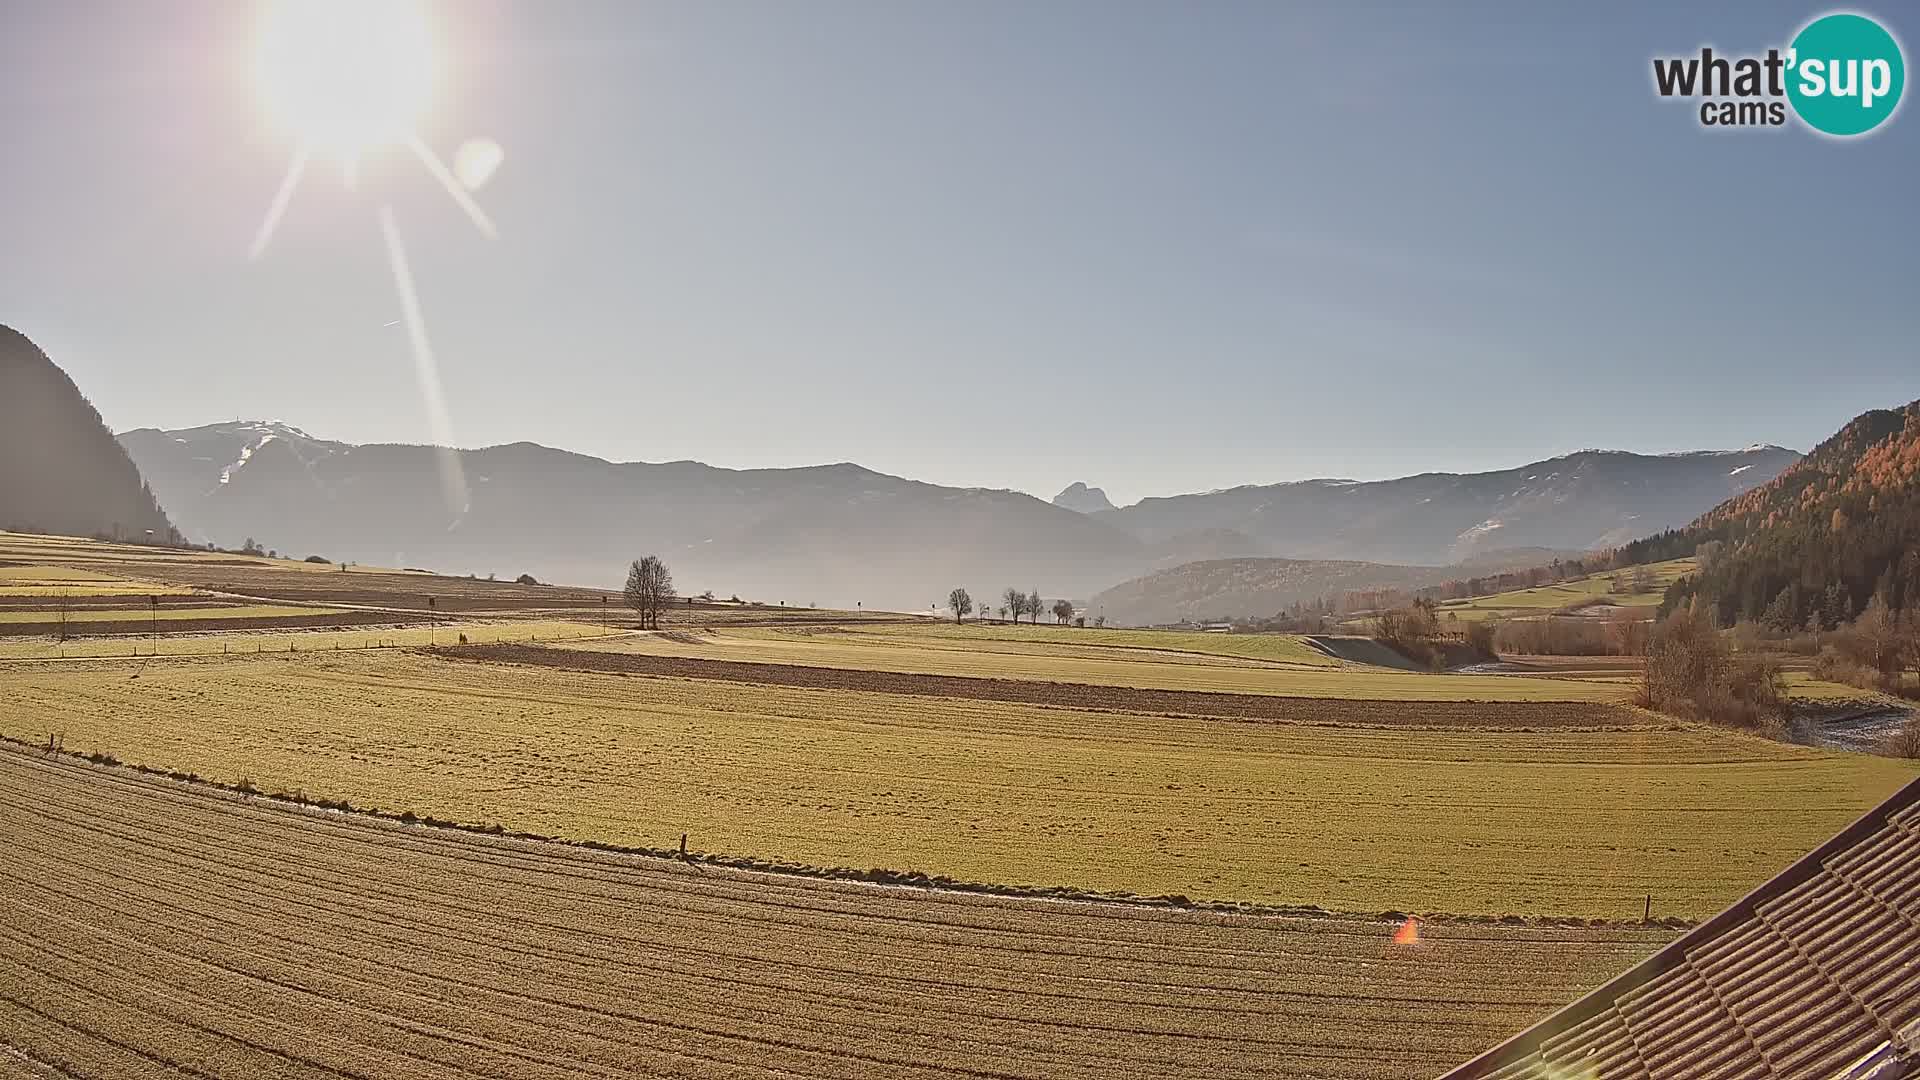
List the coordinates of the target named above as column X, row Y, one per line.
column 166, row 614
column 1349, row 818
column 402, row 595
column 148, row 927
column 1545, row 599
column 1278, row 648
column 990, row 654
column 226, row 642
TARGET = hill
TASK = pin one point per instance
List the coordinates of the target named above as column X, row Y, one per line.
column 1250, row 588
column 1817, row 541
column 60, row 469
column 1583, row 501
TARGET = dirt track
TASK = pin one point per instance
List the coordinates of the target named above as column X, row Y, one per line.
column 1434, row 714
column 154, row 928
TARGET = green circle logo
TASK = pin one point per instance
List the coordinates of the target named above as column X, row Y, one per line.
column 1845, row 74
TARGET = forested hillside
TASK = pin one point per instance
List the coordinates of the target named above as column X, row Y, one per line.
column 61, row 471
column 1815, row 544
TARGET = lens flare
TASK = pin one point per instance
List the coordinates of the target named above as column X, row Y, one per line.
column 476, row 161
column 453, row 479
column 1409, row 932
column 345, row 77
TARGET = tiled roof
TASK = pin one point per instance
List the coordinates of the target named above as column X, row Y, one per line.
column 1814, row 974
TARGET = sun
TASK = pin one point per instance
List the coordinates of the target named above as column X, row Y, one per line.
column 345, row 76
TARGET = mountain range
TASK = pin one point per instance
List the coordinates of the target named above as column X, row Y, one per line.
column 835, row 535
column 1586, row 500
column 843, row 535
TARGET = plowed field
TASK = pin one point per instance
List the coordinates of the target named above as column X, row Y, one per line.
column 149, row 928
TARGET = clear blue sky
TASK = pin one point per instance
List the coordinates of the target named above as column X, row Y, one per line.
column 1156, row 247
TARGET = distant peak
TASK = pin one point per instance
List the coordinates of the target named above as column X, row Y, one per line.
column 1080, row 498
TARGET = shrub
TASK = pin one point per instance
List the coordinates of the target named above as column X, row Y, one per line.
column 1905, row 740
column 1691, row 672
column 322, row 559
column 526, row 579
column 1554, row 636
column 1480, row 637
column 1413, row 632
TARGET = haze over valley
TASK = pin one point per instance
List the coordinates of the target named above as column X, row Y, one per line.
column 840, row 535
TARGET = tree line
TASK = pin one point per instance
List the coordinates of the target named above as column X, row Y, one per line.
column 1014, row 604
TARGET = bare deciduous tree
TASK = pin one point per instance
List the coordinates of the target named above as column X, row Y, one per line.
column 1016, row 602
column 960, row 604
column 1035, row 606
column 1062, row 611
column 649, row 588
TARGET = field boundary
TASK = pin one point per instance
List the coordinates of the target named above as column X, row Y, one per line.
column 1209, row 704
column 300, row 801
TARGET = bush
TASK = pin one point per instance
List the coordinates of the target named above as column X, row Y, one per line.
column 1834, row 667
column 1692, row 672
column 322, row 559
column 1413, row 632
column 525, row 579
column 1554, row 636
column 1905, row 741
column 1480, row 637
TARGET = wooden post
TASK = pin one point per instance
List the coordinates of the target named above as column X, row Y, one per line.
column 683, row 845
column 1648, row 917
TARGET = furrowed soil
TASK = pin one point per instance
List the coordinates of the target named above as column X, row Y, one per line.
column 151, row 928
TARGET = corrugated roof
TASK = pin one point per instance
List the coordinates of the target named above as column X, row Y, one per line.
column 1814, row 974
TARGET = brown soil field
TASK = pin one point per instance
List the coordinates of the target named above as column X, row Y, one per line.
column 156, row 928
column 1453, row 715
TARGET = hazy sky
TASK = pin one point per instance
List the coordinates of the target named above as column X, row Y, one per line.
column 1155, row 247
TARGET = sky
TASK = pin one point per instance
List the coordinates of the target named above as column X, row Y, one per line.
column 1155, row 247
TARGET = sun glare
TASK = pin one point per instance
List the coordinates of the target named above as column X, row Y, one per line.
column 344, row 76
